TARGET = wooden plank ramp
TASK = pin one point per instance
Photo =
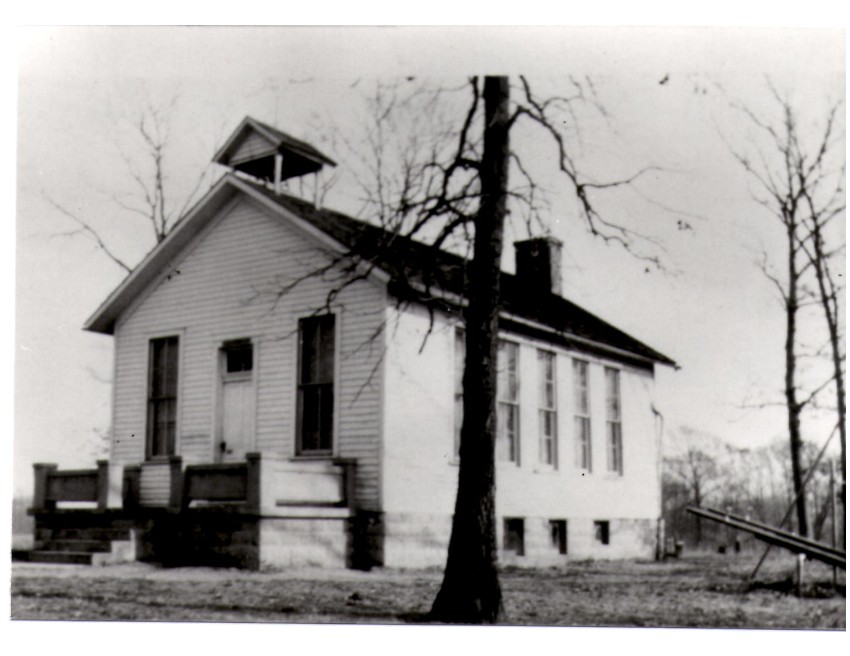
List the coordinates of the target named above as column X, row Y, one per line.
column 765, row 532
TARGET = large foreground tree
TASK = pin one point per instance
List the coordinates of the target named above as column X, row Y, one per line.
column 442, row 195
column 470, row 592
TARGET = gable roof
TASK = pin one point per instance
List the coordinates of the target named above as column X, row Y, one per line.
column 414, row 271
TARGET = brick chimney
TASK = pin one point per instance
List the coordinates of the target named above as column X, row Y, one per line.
column 538, row 264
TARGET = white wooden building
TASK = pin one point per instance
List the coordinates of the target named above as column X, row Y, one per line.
column 268, row 410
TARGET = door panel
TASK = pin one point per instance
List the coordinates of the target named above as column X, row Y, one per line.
column 237, row 419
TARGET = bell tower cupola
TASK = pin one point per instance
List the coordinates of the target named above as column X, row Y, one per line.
column 265, row 153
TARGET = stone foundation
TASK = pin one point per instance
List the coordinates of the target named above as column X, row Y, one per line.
column 303, row 542
column 314, row 537
column 422, row 541
column 416, row 540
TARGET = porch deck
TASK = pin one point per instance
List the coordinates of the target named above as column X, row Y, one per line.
column 262, row 512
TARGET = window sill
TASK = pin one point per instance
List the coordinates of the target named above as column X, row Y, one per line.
column 161, row 460
column 313, row 456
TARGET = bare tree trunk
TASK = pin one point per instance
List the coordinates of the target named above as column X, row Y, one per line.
column 829, row 302
column 811, row 173
column 470, row 592
column 794, row 407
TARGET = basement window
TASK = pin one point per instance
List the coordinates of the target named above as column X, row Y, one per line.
column 601, row 531
column 515, row 535
column 558, row 534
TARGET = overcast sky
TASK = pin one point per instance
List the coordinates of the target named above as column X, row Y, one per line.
column 712, row 310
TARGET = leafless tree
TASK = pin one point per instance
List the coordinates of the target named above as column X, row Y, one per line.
column 792, row 174
column 825, row 203
column 152, row 198
column 450, row 183
column 454, row 186
column 695, row 467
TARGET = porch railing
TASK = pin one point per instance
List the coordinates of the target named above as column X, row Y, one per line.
column 262, row 484
column 266, row 483
column 215, row 483
column 102, row 486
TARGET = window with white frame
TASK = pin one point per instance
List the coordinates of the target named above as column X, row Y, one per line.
column 164, row 356
column 315, row 385
column 614, row 424
column 460, row 362
column 581, row 391
column 507, row 385
column 547, row 415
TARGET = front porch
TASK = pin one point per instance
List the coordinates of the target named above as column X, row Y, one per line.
column 264, row 512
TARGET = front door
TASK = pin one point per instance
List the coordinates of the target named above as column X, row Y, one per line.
column 236, row 421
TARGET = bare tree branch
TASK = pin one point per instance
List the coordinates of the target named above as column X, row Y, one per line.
column 91, row 232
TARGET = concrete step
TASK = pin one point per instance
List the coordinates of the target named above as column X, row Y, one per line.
column 59, row 521
column 80, row 546
column 92, row 533
column 54, row 557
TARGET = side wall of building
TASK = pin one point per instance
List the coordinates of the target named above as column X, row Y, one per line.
column 419, row 471
column 224, row 287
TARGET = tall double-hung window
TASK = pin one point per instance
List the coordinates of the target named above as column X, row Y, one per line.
column 507, row 436
column 547, row 417
column 316, row 339
column 581, row 416
column 164, row 355
column 614, row 424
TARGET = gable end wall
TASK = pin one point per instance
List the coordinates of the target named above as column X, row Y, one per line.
column 223, row 287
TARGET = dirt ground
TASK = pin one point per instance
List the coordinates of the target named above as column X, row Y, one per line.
column 695, row 591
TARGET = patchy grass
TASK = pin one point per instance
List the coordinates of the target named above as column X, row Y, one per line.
column 699, row 591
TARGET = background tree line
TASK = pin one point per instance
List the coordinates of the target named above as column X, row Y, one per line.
column 702, row 469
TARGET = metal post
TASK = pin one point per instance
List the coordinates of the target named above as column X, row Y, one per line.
column 834, row 518
column 791, row 507
column 801, row 558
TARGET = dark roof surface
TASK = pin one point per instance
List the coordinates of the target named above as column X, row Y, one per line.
column 284, row 139
column 411, row 262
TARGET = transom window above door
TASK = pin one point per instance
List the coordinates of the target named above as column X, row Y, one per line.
column 239, row 356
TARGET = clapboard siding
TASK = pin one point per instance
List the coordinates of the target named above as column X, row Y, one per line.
column 255, row 145
column 224, row 288
column 155, row 484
